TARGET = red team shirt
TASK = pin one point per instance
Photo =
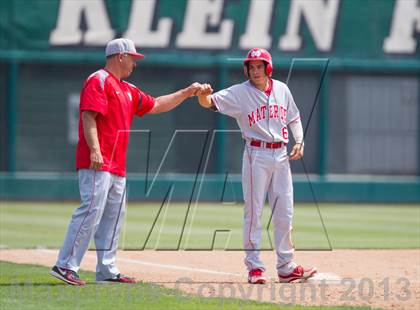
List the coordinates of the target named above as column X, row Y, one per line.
column 116, row 102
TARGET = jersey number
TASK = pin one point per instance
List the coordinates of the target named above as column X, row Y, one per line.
column 285, row 133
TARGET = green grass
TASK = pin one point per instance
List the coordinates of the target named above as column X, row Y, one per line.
column 30, row 287
column 29, row 225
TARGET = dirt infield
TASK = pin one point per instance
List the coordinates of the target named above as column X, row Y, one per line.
column 387, row 279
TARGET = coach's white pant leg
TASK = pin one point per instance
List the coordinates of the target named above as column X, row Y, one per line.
column 108, row 231
column 280, row 197
column 93, row 187
column 256, row 174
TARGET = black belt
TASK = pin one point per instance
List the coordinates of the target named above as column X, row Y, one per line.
column 267, row 145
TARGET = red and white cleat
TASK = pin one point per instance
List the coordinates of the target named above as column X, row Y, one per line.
column 299, row 274
column 255, row 276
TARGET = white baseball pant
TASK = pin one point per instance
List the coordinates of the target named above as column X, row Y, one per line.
column 101, row 215
column 267, row 171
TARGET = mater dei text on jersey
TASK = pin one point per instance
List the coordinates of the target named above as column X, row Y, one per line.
column 261, row 113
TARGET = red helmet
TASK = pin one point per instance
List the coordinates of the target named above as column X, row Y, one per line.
column 259, row 54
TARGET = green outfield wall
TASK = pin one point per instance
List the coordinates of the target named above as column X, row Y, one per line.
column 216, row 188
column 355, row 63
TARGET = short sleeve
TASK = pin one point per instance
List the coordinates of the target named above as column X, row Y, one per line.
column 93, row 97
column 145, row 103
column 226, row 102
column 292, row 110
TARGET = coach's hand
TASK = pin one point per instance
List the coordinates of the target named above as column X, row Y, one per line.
column 96, row 160
column 297, row 152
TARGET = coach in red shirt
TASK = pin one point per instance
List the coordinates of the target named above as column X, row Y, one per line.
column 107, row 107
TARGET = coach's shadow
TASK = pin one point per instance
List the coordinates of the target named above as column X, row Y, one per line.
column 28, row 284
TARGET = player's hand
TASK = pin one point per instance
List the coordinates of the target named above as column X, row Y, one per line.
column 205, row 90
column 96, row 160
column 203, row 95
column 193, row 89
column 297, row 152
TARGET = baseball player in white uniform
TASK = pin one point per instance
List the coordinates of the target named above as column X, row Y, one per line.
column 264, row 109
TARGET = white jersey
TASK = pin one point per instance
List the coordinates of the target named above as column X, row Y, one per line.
column 260, row 117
